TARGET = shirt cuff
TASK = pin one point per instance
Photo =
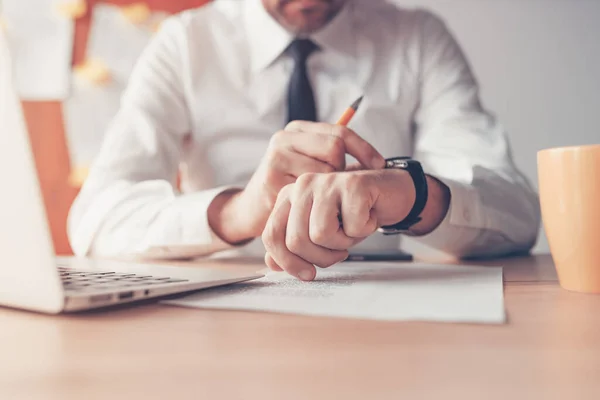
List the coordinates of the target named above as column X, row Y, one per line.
column 462, row 222
column 196, row 238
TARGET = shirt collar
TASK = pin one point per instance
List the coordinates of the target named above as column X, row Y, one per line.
column 338, row 36
column 267, row 39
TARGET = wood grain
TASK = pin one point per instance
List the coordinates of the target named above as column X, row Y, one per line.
column 46, row 130
column 550, row 349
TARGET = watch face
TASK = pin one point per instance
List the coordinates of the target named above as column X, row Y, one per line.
column 391, row 231
column 396, row 163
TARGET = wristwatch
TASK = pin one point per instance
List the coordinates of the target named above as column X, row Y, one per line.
column 415, row 170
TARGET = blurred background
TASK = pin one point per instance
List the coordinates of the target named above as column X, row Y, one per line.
column 61, row 171
column 537, row 62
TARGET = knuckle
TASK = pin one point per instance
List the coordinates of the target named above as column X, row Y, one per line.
column 318, row 234
column 306, row 179
column 299, row 191
column 341, row 131
column 355, row 182
column 327, row 184
column 293, row 126
column 285, row 191
column 294, row 243
column 354, row 231
column 330, row 179
column 273, row 266
column 277, row 163
column 337, row 147
column 277, row 139
column 272, row 154
column 267, row 238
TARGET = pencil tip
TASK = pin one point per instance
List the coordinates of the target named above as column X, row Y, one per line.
column 357, row 103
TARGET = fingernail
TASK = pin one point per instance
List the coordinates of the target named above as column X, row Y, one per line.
column 378, row 162
column 305, row 275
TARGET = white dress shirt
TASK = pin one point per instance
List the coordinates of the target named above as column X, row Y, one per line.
column 210, row 90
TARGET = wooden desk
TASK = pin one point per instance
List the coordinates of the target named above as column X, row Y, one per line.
column 550, row 349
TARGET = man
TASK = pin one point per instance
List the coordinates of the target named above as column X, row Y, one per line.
column 210, row 101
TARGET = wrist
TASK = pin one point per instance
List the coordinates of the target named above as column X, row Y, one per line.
column 397, row 196
column 399, row 188
column 228, row 220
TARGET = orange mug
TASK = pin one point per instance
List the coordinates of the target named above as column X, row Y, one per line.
column 569, row 186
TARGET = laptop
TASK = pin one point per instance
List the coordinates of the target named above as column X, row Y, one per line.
column 31, row 277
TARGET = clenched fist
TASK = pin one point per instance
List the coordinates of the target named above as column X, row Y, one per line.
column 318, row 218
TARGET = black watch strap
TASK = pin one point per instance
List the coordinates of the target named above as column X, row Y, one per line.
column 415, row 170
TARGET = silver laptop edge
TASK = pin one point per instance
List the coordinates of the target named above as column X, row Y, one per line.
column 29, row 277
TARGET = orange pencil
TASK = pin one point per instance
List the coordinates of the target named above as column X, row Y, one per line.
column 349, row 113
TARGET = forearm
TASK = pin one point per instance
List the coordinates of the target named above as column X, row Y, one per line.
column 142, row 219
column 491, row 216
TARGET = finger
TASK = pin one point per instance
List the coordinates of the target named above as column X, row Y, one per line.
column 355, row 145
column 320, row 146
column 324, row 147
column 358, row 217
column 274, row 240
column 298, row 240
column 295, row 164
column 272, row 264
column 324, row 225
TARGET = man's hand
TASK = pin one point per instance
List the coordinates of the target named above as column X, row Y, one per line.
column 318, row 218
column 302, row 147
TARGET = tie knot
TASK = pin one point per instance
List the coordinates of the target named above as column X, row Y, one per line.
column 300, row 49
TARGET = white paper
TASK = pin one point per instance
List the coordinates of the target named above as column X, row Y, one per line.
column 390, row 292
column 41, row 42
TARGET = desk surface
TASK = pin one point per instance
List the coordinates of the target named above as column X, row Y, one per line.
column 550, row 349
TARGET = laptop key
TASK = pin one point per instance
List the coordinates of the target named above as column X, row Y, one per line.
column 100, row 273
column 105, row 286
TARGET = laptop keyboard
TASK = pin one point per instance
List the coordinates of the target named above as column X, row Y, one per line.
column 77, row 281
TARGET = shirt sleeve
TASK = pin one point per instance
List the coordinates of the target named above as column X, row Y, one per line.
column 493, row 209
column 129, row 205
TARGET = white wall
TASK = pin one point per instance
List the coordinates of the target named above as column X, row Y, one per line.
column 538, row 63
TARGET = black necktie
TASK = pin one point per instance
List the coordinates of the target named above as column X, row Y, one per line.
column 301, row 102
